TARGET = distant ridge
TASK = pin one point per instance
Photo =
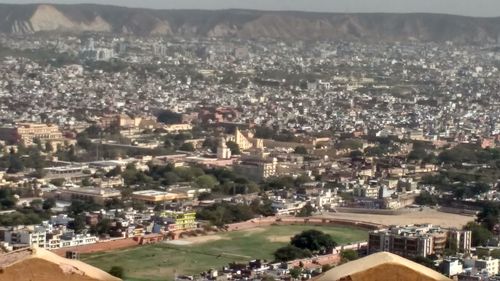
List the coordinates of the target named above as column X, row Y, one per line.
column 78, row 18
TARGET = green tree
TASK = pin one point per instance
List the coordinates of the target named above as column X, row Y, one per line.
column 300, row 150
column 36, row 204
column 313, row 240
column 78, row 225
column 206, row 181
column 425, row 261
column 295, row 272
column 349, row 255
column 355, row 154
column 15, row 163
column 187, row 146
column 169, row 117
column 306, row 211
column 480, row 234
column 49, row 147
column 205, row 196
column 290, row 252
column 425, row 198
column 117, row 271
column 489, row 216
column 234, row 147
column 49, row 203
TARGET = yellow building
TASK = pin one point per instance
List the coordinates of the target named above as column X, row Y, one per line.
column 26, row 133
column 180, row 220
column 155, row 196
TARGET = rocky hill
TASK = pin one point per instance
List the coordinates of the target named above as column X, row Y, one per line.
column 25, row 19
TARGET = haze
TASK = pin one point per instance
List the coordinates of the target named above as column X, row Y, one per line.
column 481, row 8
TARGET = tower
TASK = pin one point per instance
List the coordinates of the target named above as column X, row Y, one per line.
column 223, row 152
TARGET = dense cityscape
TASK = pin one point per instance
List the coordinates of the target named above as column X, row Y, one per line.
column 162, row 158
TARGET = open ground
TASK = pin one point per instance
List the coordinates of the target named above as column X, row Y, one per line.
column 427, row 215
column 194, row 255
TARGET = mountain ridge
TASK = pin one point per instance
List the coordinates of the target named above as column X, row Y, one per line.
column 285, row 25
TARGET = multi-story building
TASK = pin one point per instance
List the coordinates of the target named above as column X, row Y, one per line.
column 26, row 236
column 460, row 240
column 488, row 265
column 27, row 133
column 180, row 220
column 155, row 196
column 367, row 191
column 256, row 168
column 415, row 240
column 97, row 195
column 61, row 239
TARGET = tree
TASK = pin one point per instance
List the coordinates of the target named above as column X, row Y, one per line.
column 58, row 182
column 290, row 252
column 116, row 171
column 313, row 240
column 356, row 154
column 349, row 255
column 49, row 147
column 103, row 226
column 480, row 234
column 206, row 181
column 425, row 198
column 489, row 216
column 49, row 203
column 15, row 164
column 211, row 143
column 425, row 261
column 205, row 196
column 300, row 150
column 295, row 272
column 36, row 204
column 78, row 225
column 169, row 117
column 234, row 147
column 306, row 211
column 187, row 146
column 117, row 271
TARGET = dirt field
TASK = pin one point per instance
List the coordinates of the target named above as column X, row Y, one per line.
column 276, row 238
column 418, row 217
column 204, row 239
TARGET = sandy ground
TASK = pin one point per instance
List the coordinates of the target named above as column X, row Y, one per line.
column 418, row 217
column 196, row 240
column 250, row 231
column 279, row 238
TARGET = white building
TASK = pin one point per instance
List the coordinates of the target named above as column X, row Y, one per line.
column 488, row 265
column 26, row 235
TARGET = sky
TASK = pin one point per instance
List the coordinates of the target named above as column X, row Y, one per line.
column 480, row 8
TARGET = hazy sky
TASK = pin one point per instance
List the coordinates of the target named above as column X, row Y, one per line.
column 484, row 8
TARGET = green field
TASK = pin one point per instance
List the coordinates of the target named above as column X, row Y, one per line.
column 161, row 261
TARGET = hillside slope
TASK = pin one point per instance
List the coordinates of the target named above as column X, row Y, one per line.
column 26, row 19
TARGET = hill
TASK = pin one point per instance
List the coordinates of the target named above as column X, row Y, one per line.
column 287, row 25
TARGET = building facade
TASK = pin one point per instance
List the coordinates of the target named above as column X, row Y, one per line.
column 416, row 240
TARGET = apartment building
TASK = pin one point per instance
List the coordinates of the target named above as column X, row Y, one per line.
column 417, row 240
column 26, row 236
